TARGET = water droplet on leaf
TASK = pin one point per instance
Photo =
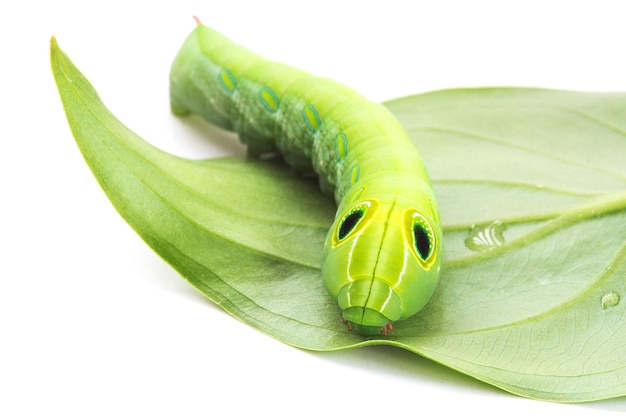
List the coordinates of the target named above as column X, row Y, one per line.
column 610, row 299
column 484, row 238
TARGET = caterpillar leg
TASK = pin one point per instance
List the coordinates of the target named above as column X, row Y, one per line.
column 257, row 147
column 326, row 187
column 386, row 330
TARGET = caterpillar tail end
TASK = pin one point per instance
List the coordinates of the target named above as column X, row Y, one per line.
column 178, row 109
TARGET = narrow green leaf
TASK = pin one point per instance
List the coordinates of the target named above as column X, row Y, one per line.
column 532, row 187
column 197, row 215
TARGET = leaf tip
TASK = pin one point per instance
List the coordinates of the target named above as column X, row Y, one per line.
column 54, row 48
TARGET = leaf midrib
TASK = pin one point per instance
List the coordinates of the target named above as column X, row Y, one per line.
column 598, row 207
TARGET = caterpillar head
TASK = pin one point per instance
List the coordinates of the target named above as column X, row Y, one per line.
column 381, row 262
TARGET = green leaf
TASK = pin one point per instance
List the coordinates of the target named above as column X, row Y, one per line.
column 538, row 316
column 532, row 188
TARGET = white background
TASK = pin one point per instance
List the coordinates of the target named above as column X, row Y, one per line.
column 92, row 322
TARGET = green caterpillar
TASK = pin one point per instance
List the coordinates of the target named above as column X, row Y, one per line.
column 382, row 255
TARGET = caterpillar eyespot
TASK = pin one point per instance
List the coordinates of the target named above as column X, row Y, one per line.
column 423, row 237
column 382, row 255
column 349, row 222
column 422, row 242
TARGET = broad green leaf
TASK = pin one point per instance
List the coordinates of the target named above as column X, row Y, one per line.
column 539, row 316
column 532, row 188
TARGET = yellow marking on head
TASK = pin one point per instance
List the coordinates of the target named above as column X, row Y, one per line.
column 311, row 117
column 357, row 194
column 227, row 80
column 355, row 174
column 341, row 146
column 269, row 99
